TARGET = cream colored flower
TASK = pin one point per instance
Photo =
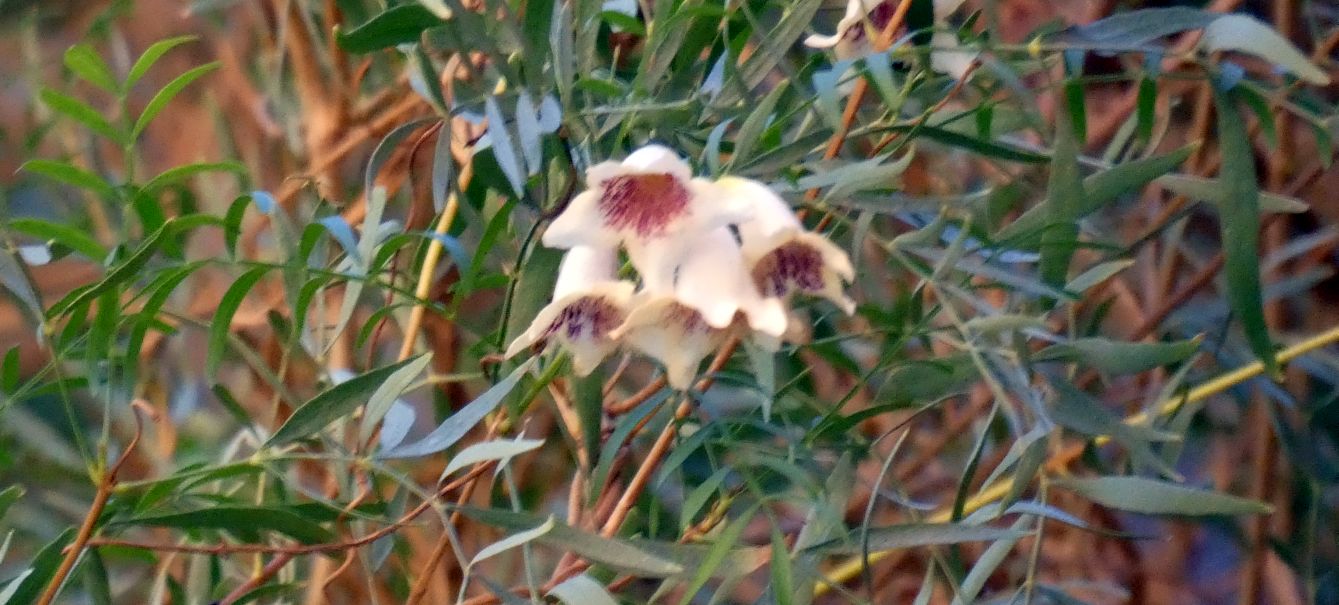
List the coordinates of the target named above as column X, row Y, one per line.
column 713, row 280
column 647, row 203
column 782, row 257
column 588, row 304
column 673, row 334
column 865, row 19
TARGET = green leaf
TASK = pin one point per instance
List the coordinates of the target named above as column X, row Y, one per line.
column 81, row 113
column 402, row 24
column 1154, row 497
column 70, row 237
column 1146, row 113
column 1240, row 227
column 1133, row 29
column 242, row 521
column 181, row 173
column 30, row 583
column 504, row 151
column 151, row 55
column 1115, row 357
column 385, row 395
column 1215, row 191
column 15, row 279
column 220, row 326
column 69, row 175
column 333, row 403
column 87, row 64
column 166, row 94
column 502, row 450
column 775, row 44
column 914, row 535
column 1065, row 201
column 750, row 132
column 1245, row 34
column 1081, row 412
column 459, row 423
column 1099, row 190
column 720, row 550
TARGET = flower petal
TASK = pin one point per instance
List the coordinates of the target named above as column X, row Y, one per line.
column 582, row 322
column 583, row 267
column 807, row 263
column 714, row 281
column 580, row 224
column 856, row 10
column 672, row 334
column 771, row 219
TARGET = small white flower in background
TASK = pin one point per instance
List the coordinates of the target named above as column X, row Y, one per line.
column 865, row 19
column 782, row 257
column 672, row 333
column 648, row 203
column 699, row 282
column 588, row 304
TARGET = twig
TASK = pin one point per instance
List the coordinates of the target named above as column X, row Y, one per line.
column 106, row 484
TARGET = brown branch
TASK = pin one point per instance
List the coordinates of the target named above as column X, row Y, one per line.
column 106, row 484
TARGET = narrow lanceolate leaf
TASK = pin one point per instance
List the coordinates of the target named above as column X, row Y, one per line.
column 381, row 400
column 69, row 175
column 59, row 233
column 1064, row 203
column 43, row 565
column 80, row 112
column 221, row 324
column 181, row 173
column 1240, row 226
column 1215, row 192
column 336, row 402
column 512, row 541
column 1150, row 496
column 503, row 149
column 151, row 56
column 166, row 94
column 1100, row 189
column 497, row 449
column 85, row 63
column 398, row 25
column 242, row 521
column 460, row 423
column 1245, row 34
column 914, row 535
column 1115, row 357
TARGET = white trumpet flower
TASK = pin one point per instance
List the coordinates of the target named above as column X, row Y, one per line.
column 864, row 19
column 672, row 333
column 588, row 305
column 647, row 203
column 782, row 257
column 714, row 281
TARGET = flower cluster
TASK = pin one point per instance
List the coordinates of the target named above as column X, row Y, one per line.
column 864, row 19
column 714, row 258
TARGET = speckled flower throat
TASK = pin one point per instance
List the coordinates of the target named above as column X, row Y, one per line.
column 643, row 203
column 589, row 316
column 793, row 265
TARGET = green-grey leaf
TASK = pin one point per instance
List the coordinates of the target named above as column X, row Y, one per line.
column 1240, row 227
column 80, row 112
column 333, row 403
column 242, row 520
column 1214, row 191
column 582, row 590
column 913, row 535
column 380, row 401
column 1151, row 496
column 1116, row 357
column 67, row 173
column 1246, row 34
column 460, row 423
